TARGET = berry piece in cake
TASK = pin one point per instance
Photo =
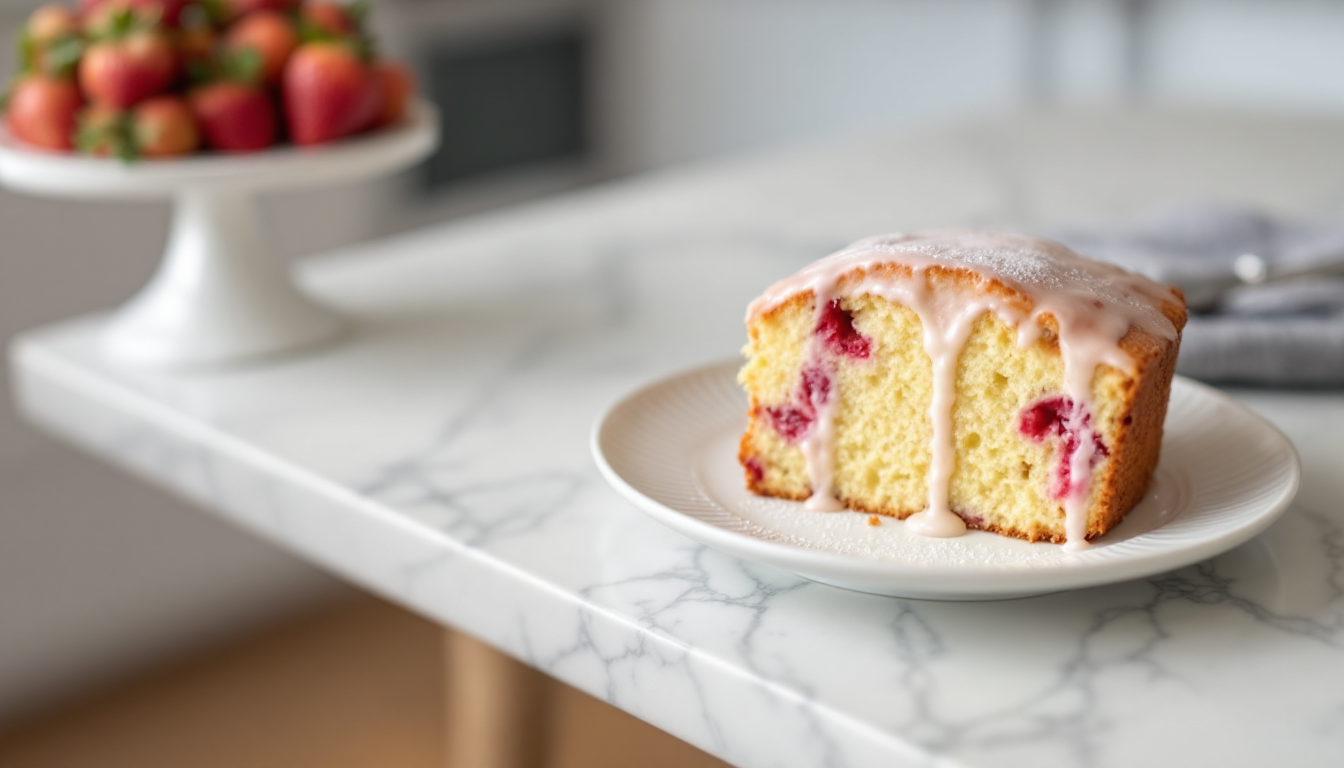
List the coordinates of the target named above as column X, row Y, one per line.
column 791, row 421
column 815, row 387
column 836, row 329
column 794, row 420
column 1053, row 417
column 755, row 471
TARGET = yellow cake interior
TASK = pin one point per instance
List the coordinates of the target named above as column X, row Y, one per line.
column 1002, row 479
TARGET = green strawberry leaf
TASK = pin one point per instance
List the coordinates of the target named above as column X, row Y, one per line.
column 113, row 135
column 364, row 47
column 216, row 11
column 200, row 73
column 311, row 33
column 242, row 65
column 359, row 13
column 63, row 55
column 122, row 23
column 27, row 51
column 127, row 152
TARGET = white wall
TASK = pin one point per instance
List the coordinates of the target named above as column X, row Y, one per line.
column 1278, row 54
column 706, row 77
column 696, row 78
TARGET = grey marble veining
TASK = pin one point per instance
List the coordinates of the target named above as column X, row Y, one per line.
column 440, row 458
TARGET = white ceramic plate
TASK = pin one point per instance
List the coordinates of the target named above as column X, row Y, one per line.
column 671, row 448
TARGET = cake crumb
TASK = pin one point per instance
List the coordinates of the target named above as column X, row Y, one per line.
column 874, row 520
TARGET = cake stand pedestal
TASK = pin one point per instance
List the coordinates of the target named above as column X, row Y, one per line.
column 218, row 298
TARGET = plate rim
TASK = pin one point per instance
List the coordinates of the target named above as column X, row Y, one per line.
column 960, row 582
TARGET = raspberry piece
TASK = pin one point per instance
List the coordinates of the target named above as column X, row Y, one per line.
column 1050, row 418
column 1045, row 418
column 755, row 472
column 836, row 329
column 815, row 388
column 790, row 421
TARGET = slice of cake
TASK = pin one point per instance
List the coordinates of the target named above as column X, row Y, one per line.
column 961, row 379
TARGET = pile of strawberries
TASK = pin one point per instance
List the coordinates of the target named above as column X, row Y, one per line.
column 163, row 78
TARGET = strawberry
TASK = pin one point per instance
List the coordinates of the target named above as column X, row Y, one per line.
column 50, row 41
column 164, row 126
column 40, row 110
column 396, row 84
column 234, row 116
column 195, row 47
column 50, row 22
column 327, row 19
column 104, row 131
column 329, row 92
column 170, row 11
column 271, row 35
column 131, row 64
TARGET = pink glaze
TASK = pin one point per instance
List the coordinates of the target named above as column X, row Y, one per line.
column 1094, row 305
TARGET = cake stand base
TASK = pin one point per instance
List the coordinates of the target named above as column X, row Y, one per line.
column 217, row 297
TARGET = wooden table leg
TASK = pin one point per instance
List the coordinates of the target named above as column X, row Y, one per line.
column 497, row 708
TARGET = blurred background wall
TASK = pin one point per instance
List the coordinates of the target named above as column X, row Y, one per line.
column 99, row 574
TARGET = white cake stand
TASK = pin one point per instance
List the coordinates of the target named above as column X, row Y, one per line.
column 218, row 298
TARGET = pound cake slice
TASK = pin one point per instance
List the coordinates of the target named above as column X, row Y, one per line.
column 961, row 379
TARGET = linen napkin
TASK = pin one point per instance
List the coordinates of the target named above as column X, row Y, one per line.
column 1289, row 332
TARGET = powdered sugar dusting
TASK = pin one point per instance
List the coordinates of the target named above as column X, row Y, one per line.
column 849, row 534
column 1033, row 266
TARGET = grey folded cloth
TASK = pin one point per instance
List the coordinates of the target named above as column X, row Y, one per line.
column 1279, row 333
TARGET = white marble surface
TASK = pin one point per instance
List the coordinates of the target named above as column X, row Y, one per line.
column 440, row 457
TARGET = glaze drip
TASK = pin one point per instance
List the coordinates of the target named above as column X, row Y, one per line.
column 1093, row 305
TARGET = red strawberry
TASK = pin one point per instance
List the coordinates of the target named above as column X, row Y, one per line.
column 171, row 10
column 195, row 46
column 234, row 117
column 272, row 35
column 328, row 93
column 104, row 132
column 332, row 19
column 51, row 40
column 51, row 22
column 128, row 68
column 164, row 126
column 41, row 111
column 396, row 84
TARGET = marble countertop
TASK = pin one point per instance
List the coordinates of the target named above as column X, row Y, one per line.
column 440, row 457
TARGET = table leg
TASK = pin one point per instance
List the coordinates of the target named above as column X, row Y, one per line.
column 497, row 708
